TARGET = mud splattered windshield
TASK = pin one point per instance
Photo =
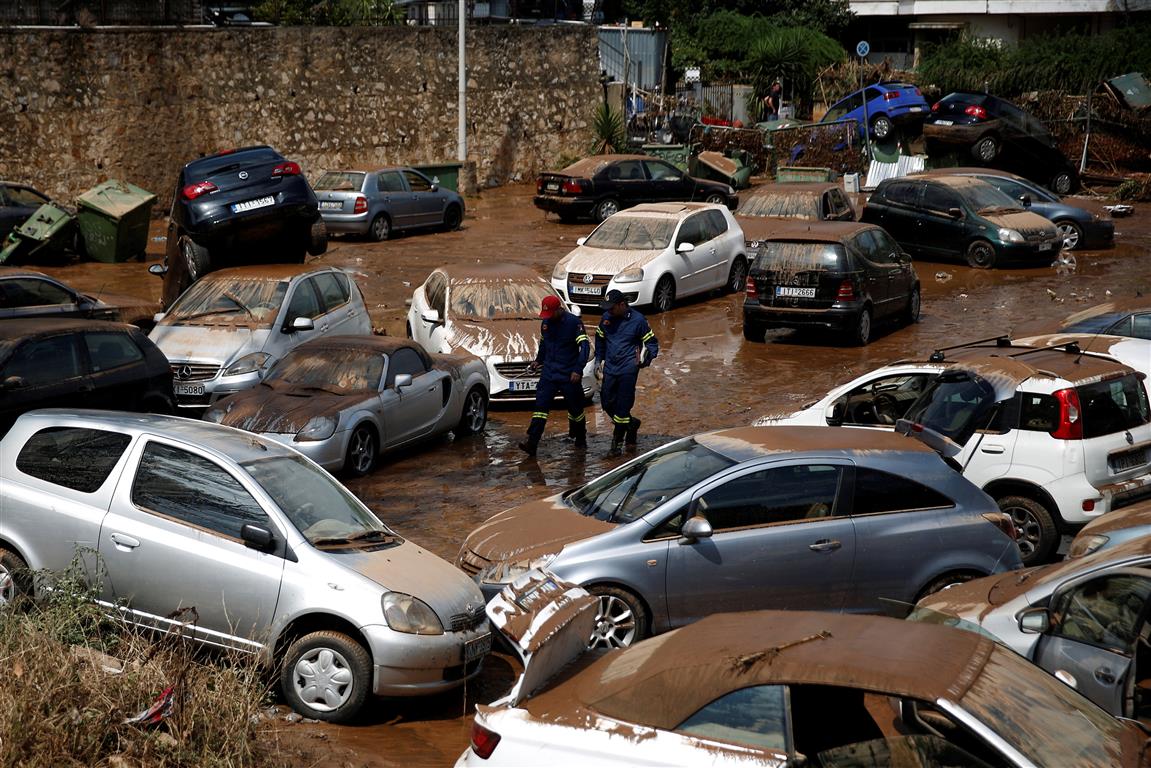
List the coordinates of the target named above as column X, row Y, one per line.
column 339, row 370
column 633, row 233
column 247, row 301
column 498, row 300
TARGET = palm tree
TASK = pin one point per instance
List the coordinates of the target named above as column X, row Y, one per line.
column 794, row 56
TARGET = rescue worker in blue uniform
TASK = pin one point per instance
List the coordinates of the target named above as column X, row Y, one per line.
column 624, row 343
column 562, row 355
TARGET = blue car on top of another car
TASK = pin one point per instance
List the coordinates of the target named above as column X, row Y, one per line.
column 888, row 105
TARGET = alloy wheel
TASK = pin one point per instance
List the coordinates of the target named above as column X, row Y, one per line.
column 1069, row 234
column 475, row 411
column 615, row 625
column 1028, row 530
column 361, row 451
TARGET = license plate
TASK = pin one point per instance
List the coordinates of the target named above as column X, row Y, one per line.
column 1045, row 246
column 945, row 122
column 523, row 385
column 1129, row 460
column 251, row 205
column 800, row 293
column 477, row 648
column 552, row 186
column 585, row 290
column 330, row 205
column 189, row 390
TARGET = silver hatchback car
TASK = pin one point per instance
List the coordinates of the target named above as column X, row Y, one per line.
column 376, row 203
column 241, row 543
column 750, row 518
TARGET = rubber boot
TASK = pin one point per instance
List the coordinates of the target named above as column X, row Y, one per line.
column 577, row 431
column 632, row 431
column 529, row 445
column 617, row 437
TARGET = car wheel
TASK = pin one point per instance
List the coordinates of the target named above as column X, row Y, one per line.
column 1069, row 233
column 754, row 331
column 1037, row 535
column 716, row 199
column 326, row 676
column 380, row 229
column 475, row 415
column 946, row 581
column 881, row 127
column 197, row 259
column 986, row 149
column 362, row 451
column 620, row 621
column 663, row 298
column 861, row 335
column 1063, row 183
column 606, row 207
column 452, row 218
column 981, row 254
column 737, row 276
column 15, row 579
column 318, row 237
column 914, row 305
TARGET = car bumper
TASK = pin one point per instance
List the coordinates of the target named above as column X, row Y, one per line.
column 415, row 665
column 637, row 294
column 1099, row 234
column 193, row 395
column 522, row 389
column 835, row 318
column 570, row 206
column 218, row 223
column 346, row 223
column 908, row 114
column 1028, row 253
column 329, row 453
column 953, row 134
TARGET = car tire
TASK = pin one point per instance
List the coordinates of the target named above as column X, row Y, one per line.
column 327, row 676
column 914, row 306
column 621, row 619
column 318, row 238
column 1069, row 233
column 946, row 581
column 193, row 261
column 985, row 149
column 881, row 127
column 861, row 333
column 15, row 578
column 475, row 415
column 363, row 450
column 1037, row 534
column 606, row 207
column 981, row 254
column 663, row 297
column 452, row 218
column 716, row 198
column 737, row 276
column 754, row 331
column 380, row 229
column 1064, row 183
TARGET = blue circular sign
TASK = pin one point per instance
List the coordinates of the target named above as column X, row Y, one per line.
column 862, row 49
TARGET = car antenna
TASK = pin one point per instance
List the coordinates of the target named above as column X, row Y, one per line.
column 937, row 355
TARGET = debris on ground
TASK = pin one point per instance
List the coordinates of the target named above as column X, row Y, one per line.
column 1119, row 210
column 942, row 277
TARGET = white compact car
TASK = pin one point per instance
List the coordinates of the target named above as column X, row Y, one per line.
column 490, row 311
column 654, row 253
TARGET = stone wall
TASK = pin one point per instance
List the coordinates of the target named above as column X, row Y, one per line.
column 84, row 105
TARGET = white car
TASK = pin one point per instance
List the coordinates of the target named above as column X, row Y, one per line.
column 654, row 254
column 490, row 311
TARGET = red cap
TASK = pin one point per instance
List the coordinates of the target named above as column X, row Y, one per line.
column 549, row 306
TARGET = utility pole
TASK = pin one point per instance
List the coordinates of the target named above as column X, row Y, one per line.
column 462, row 135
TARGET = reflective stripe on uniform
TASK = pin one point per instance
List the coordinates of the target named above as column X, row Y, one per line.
column 649, row 336
column 582, row 337
column 621, row 419
column 599, row 331
column 575, row 418
column 540, row 415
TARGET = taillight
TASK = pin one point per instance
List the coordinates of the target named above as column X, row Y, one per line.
column 751, row 291
column 484, row 741
column 935, row 107
column 1070, row 423
column 891, row 96
column 192, row 191
column 1003, row 522
column 846, row 291
column 539, row 186
column 976, row 111
column 573, row 186
column 361, row 205
column 286, row 169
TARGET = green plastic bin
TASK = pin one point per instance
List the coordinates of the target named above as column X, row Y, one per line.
column 114, row 218
column 47, row 231
column 447, row 175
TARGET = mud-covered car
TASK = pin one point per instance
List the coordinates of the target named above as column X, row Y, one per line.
column 25, row 294
column 377, row 203
column 343, row 400
column 490, row 311
column 1119, row 527
column 234, row 207
column 601, row 185
column 1130, row 318
column 764, row 208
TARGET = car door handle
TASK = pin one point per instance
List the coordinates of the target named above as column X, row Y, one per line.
column 825, row 545
column 124, row 542
column 1105, row 675
column 992, row 449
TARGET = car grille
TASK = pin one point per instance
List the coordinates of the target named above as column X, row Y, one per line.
column 461, row 622
column 577, row 282
column 194, row 371
column 471, row 563
column 512, row 370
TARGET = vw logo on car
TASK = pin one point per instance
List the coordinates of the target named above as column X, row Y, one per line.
column 588, row 278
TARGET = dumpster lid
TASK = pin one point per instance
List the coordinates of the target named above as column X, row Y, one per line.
column 115, row 198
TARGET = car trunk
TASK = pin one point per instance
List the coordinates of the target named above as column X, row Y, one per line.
column 554, row 184
column 1114, row 414
column 801, row 275
column 337, row 192
column 234, row 177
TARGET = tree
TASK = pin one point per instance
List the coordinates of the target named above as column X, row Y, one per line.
column 794, row 56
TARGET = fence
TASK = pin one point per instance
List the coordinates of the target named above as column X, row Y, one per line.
column 100, row 12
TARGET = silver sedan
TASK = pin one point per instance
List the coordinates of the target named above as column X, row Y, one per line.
column 376, row 203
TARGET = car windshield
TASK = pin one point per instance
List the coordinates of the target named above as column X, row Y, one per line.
column 331, row 370
column 630, row 491
column 784, row 205
column 1009, row 695
column 248, row 301
column 985, row 198
column 633, row 233
column 325, row 512
column 787, row 258
column 955, row 405
column 340, row 181
column 498, row 299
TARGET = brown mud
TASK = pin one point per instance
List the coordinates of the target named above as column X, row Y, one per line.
column 706, row 376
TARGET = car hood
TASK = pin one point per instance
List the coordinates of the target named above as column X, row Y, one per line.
column 282, row 409
column 1136, row 516
column 132, row 307
column 199, row 342
column 532, row 530
column 1025, row 223
column 607, row 261
column 507, row 339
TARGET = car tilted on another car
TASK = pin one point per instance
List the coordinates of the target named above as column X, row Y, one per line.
column 960, row 217
column 231, row 326
column 654, row 254
column 239, row 542
column 490, row 311
column 840, row 276
column 377, row 203
column 600, row 186
column 25, row 294
column 342, row 400
column 888, row 105
column 739, row 519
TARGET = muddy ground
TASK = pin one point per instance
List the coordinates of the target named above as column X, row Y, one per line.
column 707, row 376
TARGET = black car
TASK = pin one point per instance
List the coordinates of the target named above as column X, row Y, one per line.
column 839, row 276
column 601, row 185
column 25, row 294
column 80, row 363
column 235, row 207
column 17, row 203
column 998, row 133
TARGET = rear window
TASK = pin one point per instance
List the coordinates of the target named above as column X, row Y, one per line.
column 198, row 169
column 1112, row 406
column 790, row 257
column 955, row 405
column 341, row 181
column 73, row 457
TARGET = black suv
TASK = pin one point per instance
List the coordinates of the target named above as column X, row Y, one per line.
column 251, row 199
column 840, row 276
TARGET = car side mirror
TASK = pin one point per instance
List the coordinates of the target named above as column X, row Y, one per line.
column 955, row 213
column 12, row 382
column 431, row 316
column 256, row 537
column 1026, row 200
column 684, row 248
column 581, row 241
column 299, row 324
column 402, row 380
column 158, row 270
column 697, row 527
column 435, row 187
column 834, row 414
column 1035, row 621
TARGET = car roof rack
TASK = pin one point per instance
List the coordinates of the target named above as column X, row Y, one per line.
column 938, row 356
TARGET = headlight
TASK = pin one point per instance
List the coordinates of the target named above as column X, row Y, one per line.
column 257, row 361
column 630, row 275
column 1085, row 545
column 560, row 272
column 317, row 428
column 504, row 573
column 1010, row 236
column 214, row 415
column 405, row 613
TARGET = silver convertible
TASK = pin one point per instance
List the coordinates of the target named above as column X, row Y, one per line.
column 343, row 400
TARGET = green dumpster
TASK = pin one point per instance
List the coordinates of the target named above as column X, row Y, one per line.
column 47, row 231
column 114, row 218
column 447, row 175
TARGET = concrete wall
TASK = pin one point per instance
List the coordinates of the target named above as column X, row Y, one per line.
column 83, row 105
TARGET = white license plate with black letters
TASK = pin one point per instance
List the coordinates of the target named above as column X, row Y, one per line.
column 790, row 291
